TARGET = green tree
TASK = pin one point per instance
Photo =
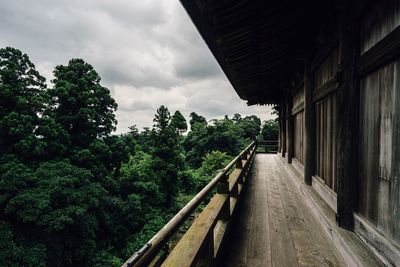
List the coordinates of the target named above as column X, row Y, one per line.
column 22, row 101
column 251, row 126
column 82, row 106
column 195, row 118
column 212, row 163
column 12, row 253
column 224, row 135
column 270, row 130
column 58, row 211
column 178, row 122
column 167, row 155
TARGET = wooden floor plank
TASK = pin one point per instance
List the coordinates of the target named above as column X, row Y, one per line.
column 282, row 250
column 241, row 233
column 308, row 254
column 328, row 253
column 275, row 226
column 259, row 252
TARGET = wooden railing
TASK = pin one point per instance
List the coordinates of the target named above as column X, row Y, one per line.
column 202, row 243
column 268, row 146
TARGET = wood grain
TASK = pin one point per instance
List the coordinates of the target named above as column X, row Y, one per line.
column 275, row 227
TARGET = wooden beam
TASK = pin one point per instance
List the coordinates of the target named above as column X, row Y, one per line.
column 309, row 124
column 347, row 123
column 385, row 51
column 297, row 108
column 329, row 87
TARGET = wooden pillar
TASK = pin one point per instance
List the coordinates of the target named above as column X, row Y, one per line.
column 280, row 131
column 347, row 124
column 290, row 131
column 283, row 129
column 309, row 124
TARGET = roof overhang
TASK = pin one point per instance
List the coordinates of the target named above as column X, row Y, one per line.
column 258, row 44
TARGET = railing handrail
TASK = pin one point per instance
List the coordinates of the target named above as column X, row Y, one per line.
column 153, row 246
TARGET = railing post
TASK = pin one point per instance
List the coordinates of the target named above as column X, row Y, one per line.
column 206, row 254
column 239, row 164
column 223, row 185
column 223, row 188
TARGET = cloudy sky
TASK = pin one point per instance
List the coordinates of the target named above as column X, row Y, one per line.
column 147, row 52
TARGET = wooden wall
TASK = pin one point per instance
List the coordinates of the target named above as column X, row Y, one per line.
column 299, row 136
column 378, row 22
column 380, row 149
column 326, row 140
column 325, row 86
column 298, row 125
column 327, row 70
column 379, row 190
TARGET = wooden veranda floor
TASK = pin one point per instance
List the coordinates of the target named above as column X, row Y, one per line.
column 275, row 226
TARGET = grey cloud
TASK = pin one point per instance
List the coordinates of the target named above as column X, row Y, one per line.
column 137, row 105
column 196, row 64
column 147, row 52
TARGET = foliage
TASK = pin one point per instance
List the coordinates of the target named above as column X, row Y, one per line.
column 225, row 135
column 82, row 106
column 270, row 130
column 195, row 118
column 166, row 155
column 178, row 122
column 73, row 194
column 212, row 163
column 22, row 101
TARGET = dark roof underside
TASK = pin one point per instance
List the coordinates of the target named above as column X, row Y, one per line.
column 257, row 43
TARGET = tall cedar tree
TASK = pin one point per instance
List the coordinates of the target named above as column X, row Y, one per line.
column 178, row 121
column 22, row 101
column 166, row 152
column 195, row 118
column 83, row 107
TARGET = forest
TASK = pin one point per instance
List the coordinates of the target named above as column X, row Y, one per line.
column 73, row 193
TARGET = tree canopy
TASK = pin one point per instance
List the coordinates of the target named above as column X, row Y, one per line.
column 72, row 193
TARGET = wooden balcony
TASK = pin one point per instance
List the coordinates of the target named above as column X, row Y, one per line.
column 276, row 227
column 262, row 215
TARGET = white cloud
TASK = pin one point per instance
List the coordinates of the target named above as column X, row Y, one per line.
column 147, row 52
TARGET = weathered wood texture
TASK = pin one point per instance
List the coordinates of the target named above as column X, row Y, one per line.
column 379, row 198
column 327, row 70
column 298, row 101
column 385, row 248
column 379, row 22
column 299, row 136
column 326, row 113
column 282, row 119
column 326, row 140
column 309, row 124
column 298, row 125
column 347, row 120
column 350, row 247
column 275, row 226
column 290, row 132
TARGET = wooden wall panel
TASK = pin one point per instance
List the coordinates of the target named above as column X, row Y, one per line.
column 299, row 137
column 327, row 70
column 379, row 22
column 379, row 199
column 298, row 125
column 298, row 100
column 326, row 140
column 325, row 114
